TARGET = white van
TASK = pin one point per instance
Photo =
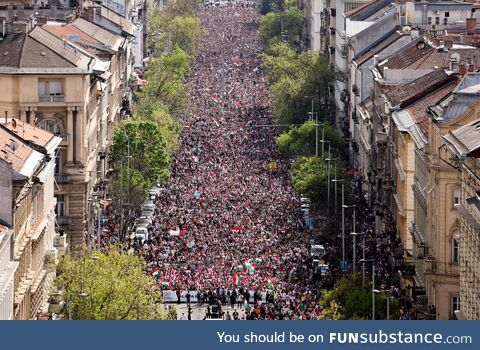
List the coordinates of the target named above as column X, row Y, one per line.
column 141, row 233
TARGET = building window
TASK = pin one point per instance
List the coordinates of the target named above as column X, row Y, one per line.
column 437, row 20
column 50, row 90
column 447, row 14
column 455, row 248
column 50, row 125
column 60, row 209
column 429, row 20
column 455, row 303
column 445, row 21
column 456, row 196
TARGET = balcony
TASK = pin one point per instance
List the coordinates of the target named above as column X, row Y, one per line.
column 64, row 220
column 63, row 178
column 51, row 98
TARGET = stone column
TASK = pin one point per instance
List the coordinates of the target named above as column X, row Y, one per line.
column 70, row 147
column 79, row 134
column 23, row 114
column 31, row 115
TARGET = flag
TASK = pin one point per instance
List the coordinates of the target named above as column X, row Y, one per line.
column 270, row 283
column 104, row 202
column 239, row 267
column 249, row 267
column 165, row 284
column 258, row 260
column 236, row 279
column 182, row 232
column 236, row 229
column 174, row 232
column 154, row 272
column 352, row 170
column 272, row 165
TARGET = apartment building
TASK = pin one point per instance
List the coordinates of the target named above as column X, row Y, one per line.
column 462, row 151
column 72, row 80
column 28, row 163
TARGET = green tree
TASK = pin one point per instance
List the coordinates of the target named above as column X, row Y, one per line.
column 295, row 79
column 355, row 302
column 300, row 140
column 330, row 312
column 309, row 176
column 270, row 29
column 165, row 83
column 113, row 286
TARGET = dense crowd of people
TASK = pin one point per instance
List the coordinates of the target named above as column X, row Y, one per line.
column 226, row 219
column 227, row 224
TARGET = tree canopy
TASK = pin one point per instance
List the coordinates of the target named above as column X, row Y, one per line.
column 109, row 285
column 355, row 302
column 270, row 30
column 300, row 140
column 295, row 79
column 174, row 26
column 309, row 176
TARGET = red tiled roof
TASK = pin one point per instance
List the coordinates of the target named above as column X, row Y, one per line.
column 360, row 8
column 67, row 30
column 409, row 54
column 18, row 156
column 418, row 110
column 407, row 94
column 29, row 132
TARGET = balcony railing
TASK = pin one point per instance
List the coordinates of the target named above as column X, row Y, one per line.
column 51, row 98
column 64, row 220
column 63, row 178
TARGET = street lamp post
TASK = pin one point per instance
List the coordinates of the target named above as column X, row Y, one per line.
column 82, row 295
column 355, row 234
column 335, row 181
column 363, row 261
column 387, row 296
column 344, row 206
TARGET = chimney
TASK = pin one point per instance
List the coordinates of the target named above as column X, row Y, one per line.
column 375, row 60
column 41, row 20
column 471, row 26
column 471, row 68
column 462, row 69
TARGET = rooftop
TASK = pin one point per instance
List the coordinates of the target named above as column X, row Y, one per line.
column 369, row 10
column 377, row 47
column 106, row 38
column 40, row 49
column 464, row 140
column 413, row 52
column 32, row 134
column 406, row 94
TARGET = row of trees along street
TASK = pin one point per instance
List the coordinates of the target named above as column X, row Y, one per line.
column 113, row 284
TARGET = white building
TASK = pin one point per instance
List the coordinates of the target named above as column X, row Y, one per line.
column 437, row 15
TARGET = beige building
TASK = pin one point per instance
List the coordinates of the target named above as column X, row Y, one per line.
column 28, row 162
column 464, row 152
column 70, row 79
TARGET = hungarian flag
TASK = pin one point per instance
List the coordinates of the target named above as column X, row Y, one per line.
column 352, row 170
column 258, row 260
column 236, row 229
column 237, row 105
column 249, row 267
column 239, row 267
column 165, row 284
column 270, row 283
column 104, row 202
column 154, row 272
column 236, row 279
